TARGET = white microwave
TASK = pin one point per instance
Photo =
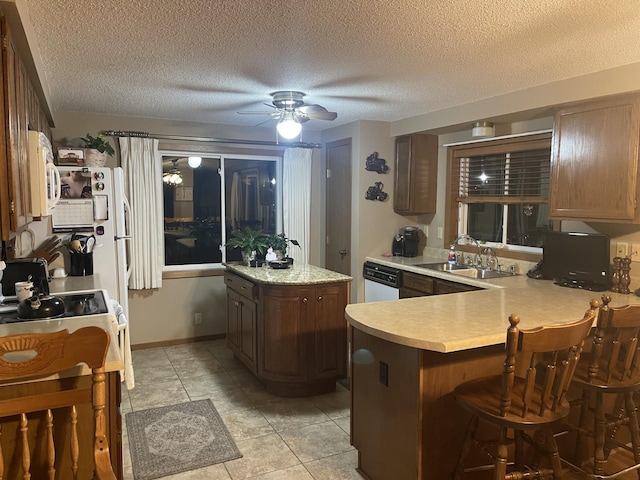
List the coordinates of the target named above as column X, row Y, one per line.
column 44, row 175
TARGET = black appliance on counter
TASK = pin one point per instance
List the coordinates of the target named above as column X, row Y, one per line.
column 76, row 304
column 405, row 242
column 18, row 270
column 397, row 247
column 411, row 241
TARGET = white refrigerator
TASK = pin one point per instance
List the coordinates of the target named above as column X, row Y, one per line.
column 93, row 203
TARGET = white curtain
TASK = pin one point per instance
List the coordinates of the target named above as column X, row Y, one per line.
column 296, row 198
column 142, row 167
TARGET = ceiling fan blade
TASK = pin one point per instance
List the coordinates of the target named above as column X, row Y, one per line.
column 257, row 113
column 312, row 108
column 322, row 115
column 265, row 121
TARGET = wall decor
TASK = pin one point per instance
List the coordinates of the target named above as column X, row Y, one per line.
column 376, row 164
column 374, row 192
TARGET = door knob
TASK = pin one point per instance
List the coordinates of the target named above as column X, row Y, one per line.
column 342, row 252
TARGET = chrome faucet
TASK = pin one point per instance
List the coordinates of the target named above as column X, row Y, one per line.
column 492, row 258
column 469, row 238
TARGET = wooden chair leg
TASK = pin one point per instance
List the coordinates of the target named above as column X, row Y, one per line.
column 598, row 436
column 518, row 437
column 633, row 427
column 578, row 454
column 619, row 413
column 466, row 447
column 551, row 448
column 500, row 461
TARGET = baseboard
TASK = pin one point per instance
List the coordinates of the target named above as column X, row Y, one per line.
column 179, row 341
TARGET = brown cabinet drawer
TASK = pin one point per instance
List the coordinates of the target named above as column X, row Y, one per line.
column 421, row 283
column 240, row 285
column 453, row 287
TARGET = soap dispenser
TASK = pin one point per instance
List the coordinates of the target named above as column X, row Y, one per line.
column 452, row 255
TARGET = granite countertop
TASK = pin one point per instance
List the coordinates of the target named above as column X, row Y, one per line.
column 294, row 275
column 463, row 321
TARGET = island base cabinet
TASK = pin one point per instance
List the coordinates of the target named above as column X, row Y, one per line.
column 303, row 339
column 293, row 336
column 11, row 446
column 405, row 422
column 242, row 313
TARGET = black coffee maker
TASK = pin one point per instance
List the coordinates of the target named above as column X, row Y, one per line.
column 411, row 240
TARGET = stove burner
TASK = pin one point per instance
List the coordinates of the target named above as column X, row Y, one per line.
column 75, row 305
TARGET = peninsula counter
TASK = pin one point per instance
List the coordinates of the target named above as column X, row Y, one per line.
column 410, row 354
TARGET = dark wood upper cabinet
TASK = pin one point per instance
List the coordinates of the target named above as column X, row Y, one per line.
column 594, row 161
column 416, row 173
column 20, row 112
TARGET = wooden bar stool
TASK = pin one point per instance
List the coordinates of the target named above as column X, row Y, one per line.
column 533, row 402
column 611, row 368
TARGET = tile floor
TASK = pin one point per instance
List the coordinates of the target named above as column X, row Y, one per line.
column 280, row 438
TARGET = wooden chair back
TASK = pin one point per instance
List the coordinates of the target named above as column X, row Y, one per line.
column 614, row 354
column 553, row 353
column 30, row 357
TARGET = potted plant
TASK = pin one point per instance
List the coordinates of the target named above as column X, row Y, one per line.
column 251, row 242
column 278, row 242
column 97, row 150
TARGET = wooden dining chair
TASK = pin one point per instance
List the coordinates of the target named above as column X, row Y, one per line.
column 610, row 369
column 36, row 357
column 529, row 396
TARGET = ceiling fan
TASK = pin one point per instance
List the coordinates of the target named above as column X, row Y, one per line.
column 291, row 112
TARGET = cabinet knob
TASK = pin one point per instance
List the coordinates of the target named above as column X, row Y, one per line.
column 320, row 298
column 236, row 303
column 304, row 300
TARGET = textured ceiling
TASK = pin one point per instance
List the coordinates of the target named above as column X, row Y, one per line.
column 203, row 60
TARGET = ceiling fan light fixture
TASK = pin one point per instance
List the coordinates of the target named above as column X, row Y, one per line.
column 194, row 162
column 173, row 176
column 288, row 126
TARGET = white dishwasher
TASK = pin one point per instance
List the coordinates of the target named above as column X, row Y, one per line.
column 381, row 282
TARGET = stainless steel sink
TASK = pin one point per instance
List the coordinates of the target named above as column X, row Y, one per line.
column 444, row 267
column 482, row 274
column 465, row 270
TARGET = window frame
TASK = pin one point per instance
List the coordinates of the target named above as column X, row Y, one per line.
column 195, row 270
column 455, row 152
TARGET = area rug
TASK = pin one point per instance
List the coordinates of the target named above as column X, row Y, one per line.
column 168, row 440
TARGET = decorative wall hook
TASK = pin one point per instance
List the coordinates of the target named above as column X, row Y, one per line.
column 375, row 192
column 375, row 164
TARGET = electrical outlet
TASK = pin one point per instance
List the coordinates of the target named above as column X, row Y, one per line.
column 440, row 232
column 635, row 252
column 622, row 249
column 197, row 318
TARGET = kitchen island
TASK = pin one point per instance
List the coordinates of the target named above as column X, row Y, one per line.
column 410, row 354
column 287, row 326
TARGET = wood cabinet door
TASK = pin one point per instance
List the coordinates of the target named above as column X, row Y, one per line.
column 594, row 161
column 6, row 195
column 402, row 185
column 283, row 332
column 330, row 327
column 233, row 321
column 416, row 173
column 248, row 349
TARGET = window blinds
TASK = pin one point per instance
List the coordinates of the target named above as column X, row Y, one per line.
column 513, row 177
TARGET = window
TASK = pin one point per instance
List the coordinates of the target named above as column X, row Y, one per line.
column 203, row 205
column 499, row 191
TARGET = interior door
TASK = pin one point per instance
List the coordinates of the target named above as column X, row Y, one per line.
column 338, row 207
